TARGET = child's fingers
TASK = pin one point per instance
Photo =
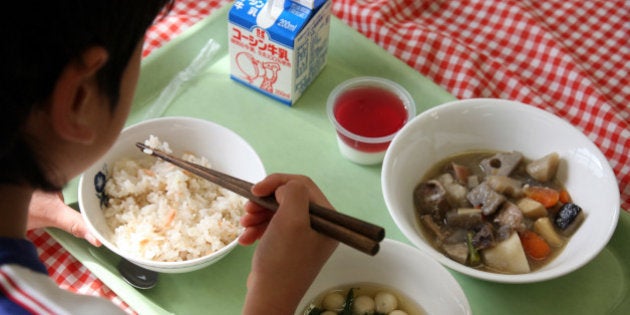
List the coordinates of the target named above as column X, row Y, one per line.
column 251, row 234
column 269, row 185
column 251, row 219
column 252, row 207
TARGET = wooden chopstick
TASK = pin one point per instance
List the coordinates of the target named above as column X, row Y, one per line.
column 359, row 234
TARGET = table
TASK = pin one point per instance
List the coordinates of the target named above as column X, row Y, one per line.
column 570, row 58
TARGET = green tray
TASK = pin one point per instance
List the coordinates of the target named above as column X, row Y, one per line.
column 300, row 139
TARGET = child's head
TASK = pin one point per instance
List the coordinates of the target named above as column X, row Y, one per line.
column 41, row 38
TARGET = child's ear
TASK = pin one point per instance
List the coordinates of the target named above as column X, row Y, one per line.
column 76, row 98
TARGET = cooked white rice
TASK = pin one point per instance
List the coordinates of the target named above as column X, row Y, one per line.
column 163, row 213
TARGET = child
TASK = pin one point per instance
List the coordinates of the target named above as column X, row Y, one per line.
column 47, row 209
column 290, row 253
column 69, row 70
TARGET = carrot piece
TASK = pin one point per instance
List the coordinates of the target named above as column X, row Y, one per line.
column 548, row 197
column 564, row 196
column 170, row 216
column 535, row 246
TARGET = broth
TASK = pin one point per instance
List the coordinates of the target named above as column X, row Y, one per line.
column 448, row 233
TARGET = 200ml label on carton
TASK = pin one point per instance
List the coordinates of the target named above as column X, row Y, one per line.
column 278, row 51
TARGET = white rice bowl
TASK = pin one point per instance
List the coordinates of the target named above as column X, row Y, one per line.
column 157, row 215
column 160, row 212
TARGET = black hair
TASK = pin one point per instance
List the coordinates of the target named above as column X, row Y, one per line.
column 40, row 39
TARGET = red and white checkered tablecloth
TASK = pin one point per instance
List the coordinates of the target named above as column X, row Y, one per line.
column 571, row 58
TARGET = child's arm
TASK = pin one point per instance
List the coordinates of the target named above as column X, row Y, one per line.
column 289, row 254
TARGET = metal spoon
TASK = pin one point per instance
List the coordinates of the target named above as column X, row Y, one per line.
column 137, row 276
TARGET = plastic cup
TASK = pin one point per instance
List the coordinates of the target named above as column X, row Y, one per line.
column 367, row 112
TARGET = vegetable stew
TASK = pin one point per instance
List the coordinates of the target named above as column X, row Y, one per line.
column 497, row 211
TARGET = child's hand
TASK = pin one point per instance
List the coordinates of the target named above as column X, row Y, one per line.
column 290, row 254
column 47, row 209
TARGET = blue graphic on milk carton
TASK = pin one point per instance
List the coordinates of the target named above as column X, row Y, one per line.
column 278, row 47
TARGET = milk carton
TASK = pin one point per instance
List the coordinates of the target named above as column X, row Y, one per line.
column 278, row 47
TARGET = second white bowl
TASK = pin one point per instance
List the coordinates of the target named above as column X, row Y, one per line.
column 501, row 125
column 225, row 150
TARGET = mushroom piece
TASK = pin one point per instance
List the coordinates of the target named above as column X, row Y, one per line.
column 501, row 163
column 510, row 216
column 430, row 198
column 484, row 238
